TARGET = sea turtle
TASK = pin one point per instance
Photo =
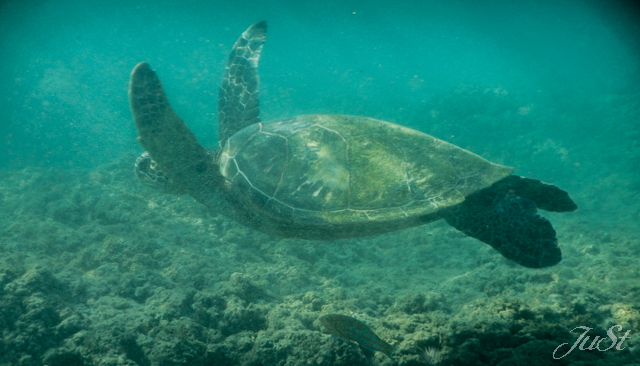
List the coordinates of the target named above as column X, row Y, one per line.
column 322, row 177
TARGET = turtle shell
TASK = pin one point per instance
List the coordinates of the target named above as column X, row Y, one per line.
column 338, row 169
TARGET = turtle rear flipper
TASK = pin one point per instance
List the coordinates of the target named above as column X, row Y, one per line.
column 546, row 196
column 510, row 225
column 164, row 135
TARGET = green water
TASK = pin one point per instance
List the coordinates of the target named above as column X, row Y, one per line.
column 96, row 269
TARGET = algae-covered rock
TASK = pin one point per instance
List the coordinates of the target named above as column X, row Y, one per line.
column 36, row 312
column 178, row 286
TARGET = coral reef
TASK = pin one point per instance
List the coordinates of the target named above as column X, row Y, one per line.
column 98, row 270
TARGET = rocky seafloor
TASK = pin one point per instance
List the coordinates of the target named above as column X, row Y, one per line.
column 96, row 269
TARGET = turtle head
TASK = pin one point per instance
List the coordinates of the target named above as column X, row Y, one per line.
column 149, row 173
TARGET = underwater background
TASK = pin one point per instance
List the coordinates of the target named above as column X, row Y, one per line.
column 97, row 269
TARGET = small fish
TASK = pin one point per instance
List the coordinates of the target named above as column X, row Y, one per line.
column 355, row 330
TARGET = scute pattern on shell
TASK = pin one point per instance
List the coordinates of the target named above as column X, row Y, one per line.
column 317, row 169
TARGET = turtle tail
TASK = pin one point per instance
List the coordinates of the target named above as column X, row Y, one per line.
column 505, row 217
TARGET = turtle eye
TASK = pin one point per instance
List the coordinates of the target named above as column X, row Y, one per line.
column 201, row 167
column 144, row 164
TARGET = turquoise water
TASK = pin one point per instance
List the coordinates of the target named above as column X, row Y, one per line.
column 96, row 269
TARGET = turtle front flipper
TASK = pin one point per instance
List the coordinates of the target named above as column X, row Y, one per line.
column 238, row 96
column 510, row 225
column 164, row 135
